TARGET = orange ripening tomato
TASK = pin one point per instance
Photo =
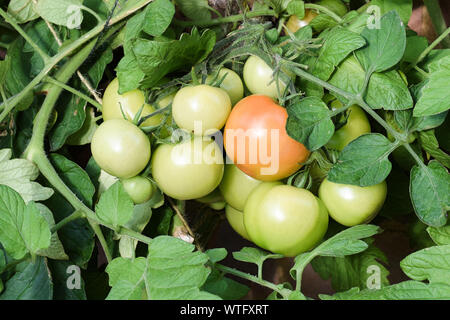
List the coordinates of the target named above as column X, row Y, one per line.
column 256, row 140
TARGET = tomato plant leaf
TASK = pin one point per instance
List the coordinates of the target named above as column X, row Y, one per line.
column 379, row 54
column 254, row 255
column 61, row 12
column 19, row 175
column 23, row 10
column 32, row 282
column 415, row 45
column 435, row 96
column 115, row 206
column 216, row 254
column 440, row 236
column 22, row 229
column 430, row 144
column 363, row 162
column 386, row 90
column 354, row 270
column 158, row 58
column 402, row 7
column 171, row 271
column 297, row 8
column 432, row 264
column 224, row 287
column 309, row 122
column 406, row 290
column 158, row 16
column 195, row 9
column 430, row 193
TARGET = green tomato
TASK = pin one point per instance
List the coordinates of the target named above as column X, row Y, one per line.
column 352, row 205
column 357, row 125
column 140, row 189
column 284, row 219
column 188, row 170
column 212, row 197
column 236, row 186
column 236, row 220
column 258, row 78
column 130, row 102
column 202, row 105
column 218, row 205
column 232, row 84
column 120, row 148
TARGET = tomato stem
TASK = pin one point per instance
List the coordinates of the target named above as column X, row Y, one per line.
column 217, row 21
column 325, row 10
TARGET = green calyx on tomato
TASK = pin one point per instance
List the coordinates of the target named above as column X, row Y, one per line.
column 284, row 219
column 236, row 220
column 129, row 103
column 258, row 78
column 352, row 205
column 120, row 148
column 236, row 186
column 189, row 170
column 201, row 109
column 357, row 124
column 231, row 83
column 256, row 140
column 140, row 189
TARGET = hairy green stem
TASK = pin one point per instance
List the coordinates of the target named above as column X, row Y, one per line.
column 437, row 19
column 250, row 277
column 325, row 10
column 67, row 51
column 218, row 21
column 75, row 92
column 24, row 35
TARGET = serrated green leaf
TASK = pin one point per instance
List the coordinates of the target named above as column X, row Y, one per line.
column 158, row 16
column 33, row 282
column 115, row 206
column 22, row 228
column 435, row 96
column 194, row 9
column 364, row 162
column 309, row 122
column 379, row 54
column 432, row 264
column 86, row 132
column 171, row 271
column 430, row 144
column 430, row 193
column 19, row 175
column 62, row 12
column 402, row 7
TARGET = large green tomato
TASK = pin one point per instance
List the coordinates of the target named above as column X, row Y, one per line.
column 188, row 170
column 357, row 124
column 284, row 219
column 140, row 189
column 130, row 102
column 232, row 84
column 258, row 78
column 120, row 148
column 236, row 220
column 352, row 205
column 236, row 186
column 202, row 105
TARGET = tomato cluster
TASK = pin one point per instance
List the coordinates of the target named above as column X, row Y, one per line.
column 249, row 181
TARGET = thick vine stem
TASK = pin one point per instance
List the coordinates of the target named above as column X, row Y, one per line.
column 251, row 278
column 67, row 51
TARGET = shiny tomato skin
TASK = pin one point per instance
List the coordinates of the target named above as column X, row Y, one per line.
column 140, row 189
column 284, row 219
column 232, row 84
column 236, row 186
column 352, row 205
column 120, row 148
column 254, row 124
column 129, row 102
column 188, row 170
column 294, row 23
column 236, row 220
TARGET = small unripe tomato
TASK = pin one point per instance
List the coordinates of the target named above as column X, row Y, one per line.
column 258, row 78
column 120, row 148
column 232, row 84
column 188, row 170
column 294, row 23
column 236, row 186
column 140, row 189
column 130, row 102
column 352, row 205
column 284, row 219
column 357, row 124
column 202, row 105
column 236, row 220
